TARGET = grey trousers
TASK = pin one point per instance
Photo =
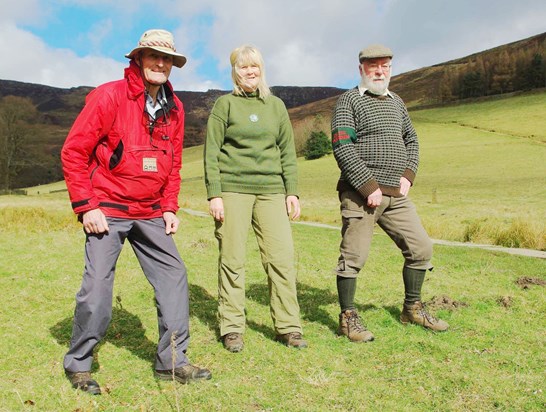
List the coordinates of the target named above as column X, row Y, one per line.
column 164, row 269
column 397, row 216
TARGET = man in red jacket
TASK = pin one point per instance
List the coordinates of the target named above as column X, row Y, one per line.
column 121, row 162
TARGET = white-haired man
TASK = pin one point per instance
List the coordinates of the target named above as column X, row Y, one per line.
column 376, row 148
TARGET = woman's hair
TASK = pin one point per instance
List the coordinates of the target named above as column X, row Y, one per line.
column 248, row 55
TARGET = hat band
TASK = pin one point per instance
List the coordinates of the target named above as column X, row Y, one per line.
column 165, row 44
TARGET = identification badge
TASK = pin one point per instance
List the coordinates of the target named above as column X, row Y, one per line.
column 149, row 164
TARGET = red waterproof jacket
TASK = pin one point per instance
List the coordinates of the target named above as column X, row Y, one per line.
column 116, row 160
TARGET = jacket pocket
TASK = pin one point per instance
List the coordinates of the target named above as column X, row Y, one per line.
column 142, row 171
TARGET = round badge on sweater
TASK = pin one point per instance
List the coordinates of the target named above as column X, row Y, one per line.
column 253, row 118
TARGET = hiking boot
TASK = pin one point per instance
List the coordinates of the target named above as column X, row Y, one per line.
column 184, row 374
column 83, row 381
column 351, row 326
column 233, row 341
column 292, row 340
column 416, row 313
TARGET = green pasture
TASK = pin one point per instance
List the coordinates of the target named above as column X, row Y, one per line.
column 476, row 183
column 482, row 176
column 492, row 358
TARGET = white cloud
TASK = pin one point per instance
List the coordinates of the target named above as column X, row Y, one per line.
column 304, row 42
column 33, row 61
column 21, row 11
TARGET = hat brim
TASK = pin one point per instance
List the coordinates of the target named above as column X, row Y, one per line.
column 179, row 60
column 375, row 56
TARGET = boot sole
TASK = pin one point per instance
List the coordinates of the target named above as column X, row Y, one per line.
column 409, row 322
column 370, row 339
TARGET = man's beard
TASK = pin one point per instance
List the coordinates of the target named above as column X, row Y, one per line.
column 375, row 87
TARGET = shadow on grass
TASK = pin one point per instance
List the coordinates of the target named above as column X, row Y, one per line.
column 394, row 311
column 125, row 331
column 313, row 302
column 205, row 307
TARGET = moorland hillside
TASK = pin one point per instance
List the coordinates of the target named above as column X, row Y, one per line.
column 44, row 114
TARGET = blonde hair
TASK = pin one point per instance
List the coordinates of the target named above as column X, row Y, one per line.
column 248, row 55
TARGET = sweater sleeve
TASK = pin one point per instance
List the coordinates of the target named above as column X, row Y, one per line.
column 353, row 168
column 412, row 146
column 216, row 131
column 285, row 142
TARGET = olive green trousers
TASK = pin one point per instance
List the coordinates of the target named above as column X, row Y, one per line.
column 267, row 216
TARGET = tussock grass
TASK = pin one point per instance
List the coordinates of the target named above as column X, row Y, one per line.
column 521, row 234
column 36, row 219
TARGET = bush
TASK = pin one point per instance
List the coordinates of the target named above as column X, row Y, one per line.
column 317, row 145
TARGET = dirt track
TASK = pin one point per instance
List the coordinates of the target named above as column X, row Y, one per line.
column 513, row 251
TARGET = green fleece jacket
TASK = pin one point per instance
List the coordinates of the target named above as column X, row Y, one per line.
column 249, row 147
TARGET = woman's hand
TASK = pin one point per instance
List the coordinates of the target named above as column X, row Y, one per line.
column 293, row 206
column 216, row 208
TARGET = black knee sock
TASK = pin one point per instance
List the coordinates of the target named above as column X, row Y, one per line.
column 346, row 288
column 413, row 282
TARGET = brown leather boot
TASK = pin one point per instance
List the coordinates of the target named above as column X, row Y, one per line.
column 417, row 313
column 184, row 374
column 233, row 341
column 83, row 381
column 292, row 340
column 351, row 326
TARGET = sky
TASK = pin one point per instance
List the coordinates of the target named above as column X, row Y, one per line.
column 71, row 43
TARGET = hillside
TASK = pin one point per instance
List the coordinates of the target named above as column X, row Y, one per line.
column 502, row 71
column 505, row 69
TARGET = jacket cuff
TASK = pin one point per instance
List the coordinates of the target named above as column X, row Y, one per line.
column 82, row 206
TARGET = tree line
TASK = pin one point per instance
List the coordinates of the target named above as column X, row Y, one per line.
column 507, row 72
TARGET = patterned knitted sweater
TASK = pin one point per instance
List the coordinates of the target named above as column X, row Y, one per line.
column 374, row 143
column 249, row 147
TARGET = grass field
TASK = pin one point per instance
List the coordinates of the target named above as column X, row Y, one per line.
column 482, row 176
column 472, row 181
column 491, row 359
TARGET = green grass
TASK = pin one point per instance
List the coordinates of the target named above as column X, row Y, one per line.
column 482, row 176
column 474, row 184
column 491, row 359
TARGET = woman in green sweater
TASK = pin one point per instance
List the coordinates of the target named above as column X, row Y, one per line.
column 251, row 180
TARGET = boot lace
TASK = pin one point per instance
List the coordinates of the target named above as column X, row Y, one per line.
column 424, row 313
column 354, row 323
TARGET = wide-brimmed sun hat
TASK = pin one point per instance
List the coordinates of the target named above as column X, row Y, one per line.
column 160, row 40
column 374, row 51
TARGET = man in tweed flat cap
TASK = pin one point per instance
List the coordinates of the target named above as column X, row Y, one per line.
column 376, row 149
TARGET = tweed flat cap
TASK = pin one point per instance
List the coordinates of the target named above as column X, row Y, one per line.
column 374, row 51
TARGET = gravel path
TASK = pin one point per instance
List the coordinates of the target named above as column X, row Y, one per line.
column 511, row 250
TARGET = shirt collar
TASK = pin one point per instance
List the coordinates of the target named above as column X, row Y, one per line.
column 362, row 90
column 160, row 102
